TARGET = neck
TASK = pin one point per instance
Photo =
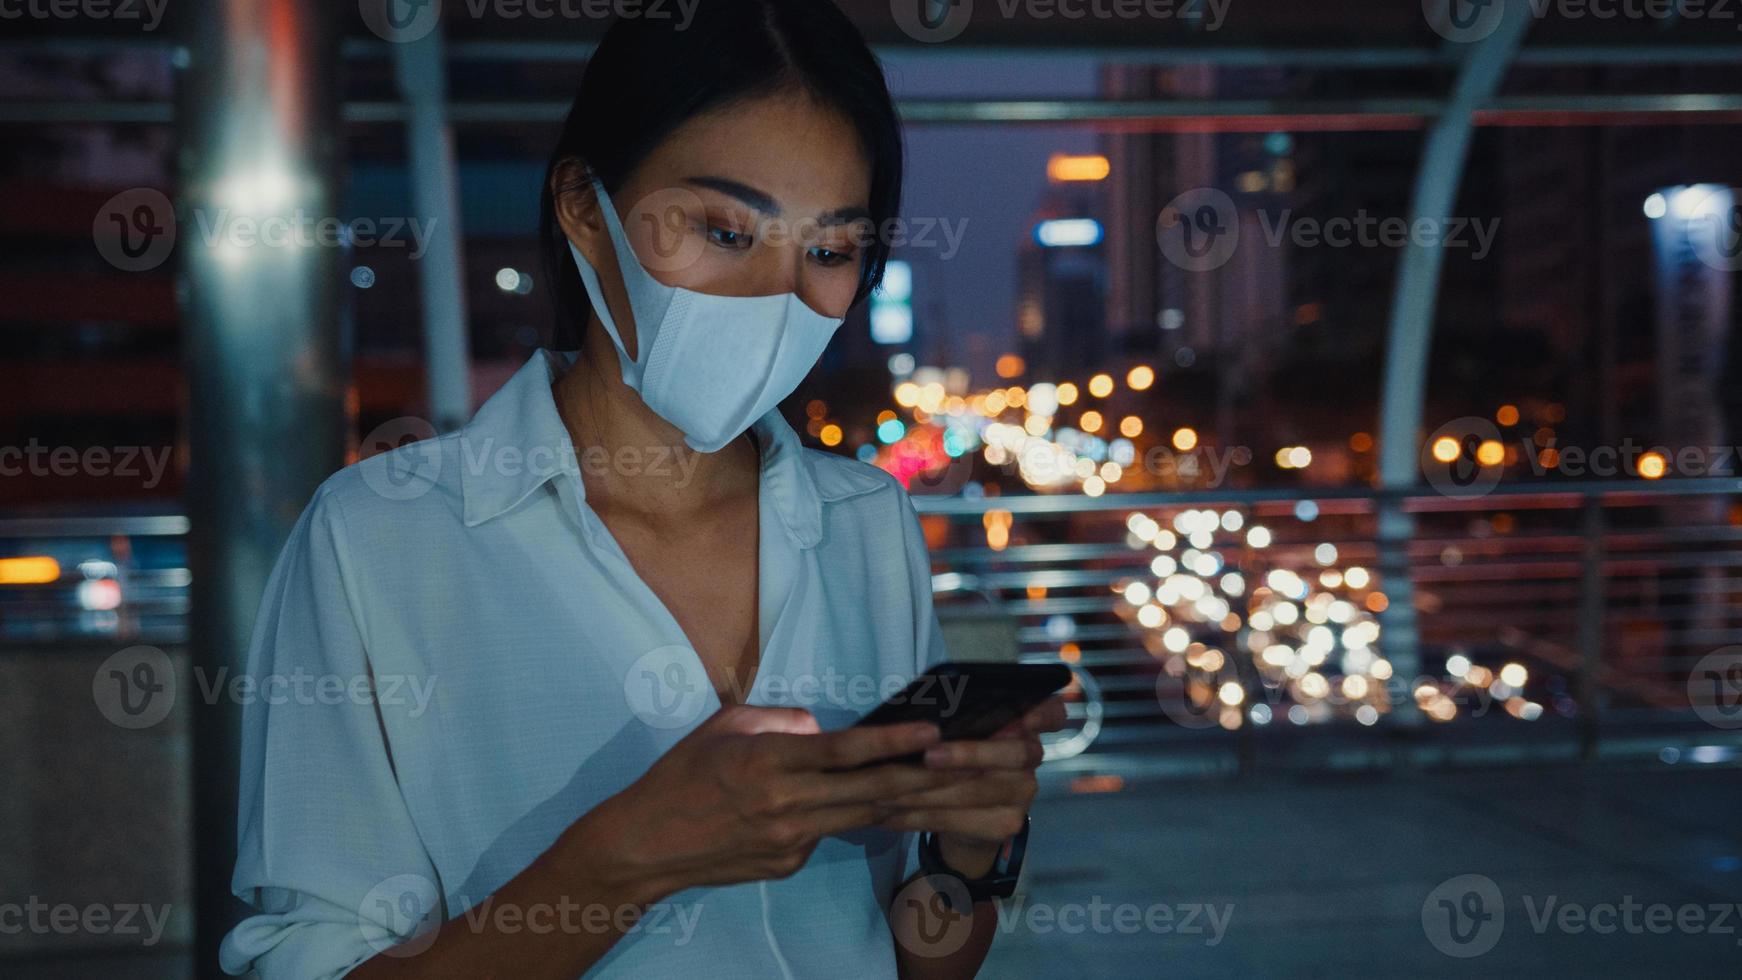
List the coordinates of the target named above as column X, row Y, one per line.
column 632, row 459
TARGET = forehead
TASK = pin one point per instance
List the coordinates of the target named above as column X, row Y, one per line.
column 806, row 156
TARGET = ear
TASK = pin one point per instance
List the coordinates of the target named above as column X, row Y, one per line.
column 580, row 214
column 577, row 212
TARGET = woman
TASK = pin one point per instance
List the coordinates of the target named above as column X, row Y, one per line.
column 532, row 645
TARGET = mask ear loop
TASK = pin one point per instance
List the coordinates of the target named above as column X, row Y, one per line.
column 648, row 297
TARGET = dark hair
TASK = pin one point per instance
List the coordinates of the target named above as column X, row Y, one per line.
column 648, row 77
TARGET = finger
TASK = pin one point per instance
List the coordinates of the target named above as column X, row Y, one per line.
column 745, row 719
column 995, row 753
column 857, row 746
column 991, row 823
column 876, row 784
column 841, row 819
column 997, row 788
column 1048, row 716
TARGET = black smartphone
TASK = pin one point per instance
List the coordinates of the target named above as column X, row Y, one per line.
column 970, row 699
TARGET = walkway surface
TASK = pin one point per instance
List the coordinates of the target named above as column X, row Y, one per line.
column 1550, row 872
column 1565, row 871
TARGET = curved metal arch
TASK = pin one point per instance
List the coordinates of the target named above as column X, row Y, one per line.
column 1410, row 330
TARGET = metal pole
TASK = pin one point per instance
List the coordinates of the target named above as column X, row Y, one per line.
column 1411, row 332
column 422, row 75
column 1591, row 608
column 265, row 359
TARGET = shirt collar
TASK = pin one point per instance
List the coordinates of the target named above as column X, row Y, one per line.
column 522, row 416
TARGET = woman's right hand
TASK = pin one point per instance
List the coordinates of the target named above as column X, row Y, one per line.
column 747, row 796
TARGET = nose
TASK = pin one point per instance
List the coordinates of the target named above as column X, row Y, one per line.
column 780, row 268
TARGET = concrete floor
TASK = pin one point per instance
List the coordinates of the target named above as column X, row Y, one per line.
column 1328, row 877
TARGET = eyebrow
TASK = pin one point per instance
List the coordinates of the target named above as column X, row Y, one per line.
column 761, row 201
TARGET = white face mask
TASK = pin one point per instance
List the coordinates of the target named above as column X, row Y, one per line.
column 710, row 365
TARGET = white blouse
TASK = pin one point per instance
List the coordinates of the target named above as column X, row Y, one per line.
column 456, row 661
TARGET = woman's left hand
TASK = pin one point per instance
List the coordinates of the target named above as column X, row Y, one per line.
column 973, row 817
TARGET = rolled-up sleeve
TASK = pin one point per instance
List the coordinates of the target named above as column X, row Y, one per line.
column 327, row 854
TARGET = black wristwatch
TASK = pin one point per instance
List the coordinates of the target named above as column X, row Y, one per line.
column 999, row 882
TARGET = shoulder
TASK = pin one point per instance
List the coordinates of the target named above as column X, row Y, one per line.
column 415, row 484
column 840, row 478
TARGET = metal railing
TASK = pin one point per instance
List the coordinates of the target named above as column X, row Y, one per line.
column 1612, row 605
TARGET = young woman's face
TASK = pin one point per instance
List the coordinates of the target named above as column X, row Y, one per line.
column 758, row 198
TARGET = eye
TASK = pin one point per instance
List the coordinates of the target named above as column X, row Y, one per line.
column 830, row 257
column 727, row 237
